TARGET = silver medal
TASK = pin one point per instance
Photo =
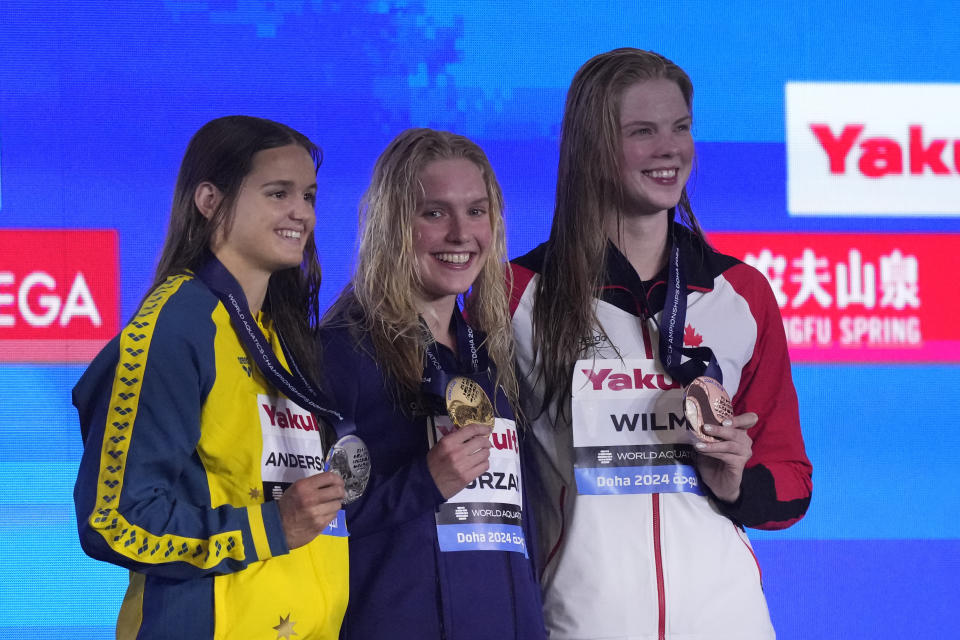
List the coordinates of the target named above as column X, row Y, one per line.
column 349, row 458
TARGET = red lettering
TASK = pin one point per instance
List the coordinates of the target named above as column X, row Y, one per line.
column 305, row 422
column 921, row 156
column 622, row 381
column 506, row 441
column 596, row 378
column 664, row 382
column 837, row 148
column 271, row 413
column 294, row 422
column 619, row 382
column 643, row 381
column 881, row 156
column 884, row 156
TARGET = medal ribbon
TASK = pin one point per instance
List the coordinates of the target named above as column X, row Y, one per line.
column 702, row 361
column 222, row 283
column 435, row 378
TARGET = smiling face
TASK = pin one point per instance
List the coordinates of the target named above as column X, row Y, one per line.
column 656, row 146
column 273, row 215
column 451, row 228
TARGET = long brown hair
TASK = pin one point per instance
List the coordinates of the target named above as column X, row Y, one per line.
column 380, row 301
column 588, row 186
column 221, row 153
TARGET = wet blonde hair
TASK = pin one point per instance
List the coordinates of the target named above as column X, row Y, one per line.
column 381, row 299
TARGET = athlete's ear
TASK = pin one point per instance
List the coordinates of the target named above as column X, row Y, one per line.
column 207, row 197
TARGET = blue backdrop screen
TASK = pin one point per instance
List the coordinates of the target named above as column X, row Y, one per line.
column 98, row 101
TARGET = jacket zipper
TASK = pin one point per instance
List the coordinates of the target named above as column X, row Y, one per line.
column 437, row 555
column 658, row 561
column 643, row 310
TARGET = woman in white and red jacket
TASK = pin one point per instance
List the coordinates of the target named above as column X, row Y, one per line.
column 640, row 521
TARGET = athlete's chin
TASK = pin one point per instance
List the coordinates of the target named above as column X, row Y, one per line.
column 651, row 204
column 284, row 265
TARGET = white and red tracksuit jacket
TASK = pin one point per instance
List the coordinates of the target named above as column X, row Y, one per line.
column 665, row 565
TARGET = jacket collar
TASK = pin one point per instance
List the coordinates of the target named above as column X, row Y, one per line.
column 623, row 288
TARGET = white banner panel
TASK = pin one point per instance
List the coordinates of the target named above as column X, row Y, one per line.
column 873, row 149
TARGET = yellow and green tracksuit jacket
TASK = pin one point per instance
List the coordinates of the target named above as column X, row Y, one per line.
column 185, row 447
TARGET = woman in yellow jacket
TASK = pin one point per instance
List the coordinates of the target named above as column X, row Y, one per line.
column 203, row 453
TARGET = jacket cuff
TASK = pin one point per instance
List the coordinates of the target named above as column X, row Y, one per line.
column 267, row 530
column 758, row 498
column 421, row 471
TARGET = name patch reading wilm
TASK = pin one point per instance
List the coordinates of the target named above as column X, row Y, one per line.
column 629, row 431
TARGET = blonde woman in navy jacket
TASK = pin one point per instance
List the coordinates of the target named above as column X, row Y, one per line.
column 438, row 541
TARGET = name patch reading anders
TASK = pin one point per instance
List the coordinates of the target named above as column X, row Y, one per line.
column 293, row 448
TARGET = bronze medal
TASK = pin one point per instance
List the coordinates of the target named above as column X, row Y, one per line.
column 468, row 403
column 705, row 401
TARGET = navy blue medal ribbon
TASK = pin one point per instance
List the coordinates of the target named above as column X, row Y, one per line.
column 295, row 387
column 436, row 378
column 701, row 360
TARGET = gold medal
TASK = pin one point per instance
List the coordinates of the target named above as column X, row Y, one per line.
column 705, row 401
column 468, row 403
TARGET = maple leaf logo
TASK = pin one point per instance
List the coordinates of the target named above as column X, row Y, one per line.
column 691, row 338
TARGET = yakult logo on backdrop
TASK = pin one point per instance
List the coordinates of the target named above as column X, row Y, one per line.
column 58, row 294
column 873, row 149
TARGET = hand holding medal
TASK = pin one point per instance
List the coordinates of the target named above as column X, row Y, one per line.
column 463, row 454
column 308, row 506
column 349, row 459
column 724, row 445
